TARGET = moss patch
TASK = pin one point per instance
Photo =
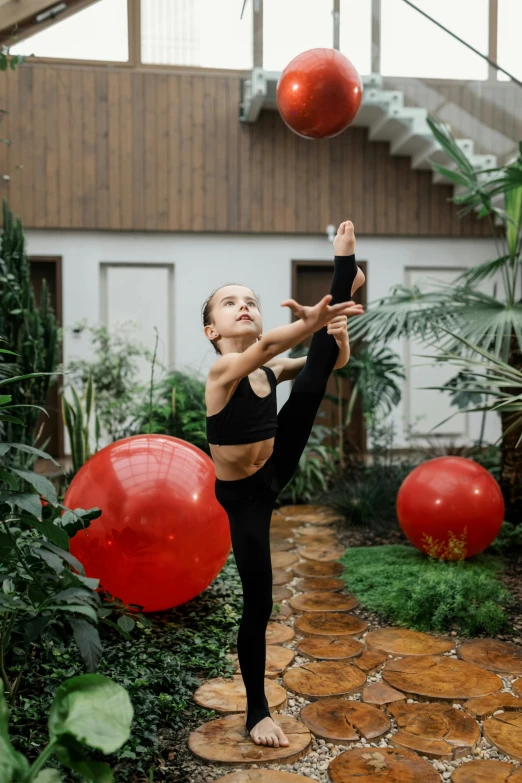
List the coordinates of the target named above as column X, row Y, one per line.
column 415, row 591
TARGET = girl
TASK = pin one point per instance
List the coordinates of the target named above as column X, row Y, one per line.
column 256, row 450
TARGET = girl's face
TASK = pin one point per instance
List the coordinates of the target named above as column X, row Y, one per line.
column 235, row 315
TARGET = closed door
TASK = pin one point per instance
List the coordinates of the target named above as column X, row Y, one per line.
column 311, row 281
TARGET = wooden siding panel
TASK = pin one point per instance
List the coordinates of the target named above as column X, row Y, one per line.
column 114, row 125
column 77, row 148
column 120, row 149
column 138, row 171
column 126, row 146
column 162, row 147
column 101, row 149
column 174, row 152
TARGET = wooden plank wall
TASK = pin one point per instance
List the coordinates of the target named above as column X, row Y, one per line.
column 115, row 149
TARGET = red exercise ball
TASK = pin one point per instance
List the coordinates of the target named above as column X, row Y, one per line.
column 319, row 93
column 450, row 507
column 162, row 537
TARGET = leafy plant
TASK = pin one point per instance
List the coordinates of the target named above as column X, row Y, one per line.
column 484, row 320
column 88, row 710
column 317, row 468
column 41, row 593
column 77, row 428
column 427, row 594
column 113, row 371
column 31, row 331
column 178, row 409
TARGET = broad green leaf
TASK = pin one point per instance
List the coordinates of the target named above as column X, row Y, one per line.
column 48, row 776
column 513, row 204
column 28, row 501
column 94, row 710
column 32, row 450
column 11, row 762
column 42, row 485
column 71, row 754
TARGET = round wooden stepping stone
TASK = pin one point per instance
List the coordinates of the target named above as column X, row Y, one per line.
column 381, row 765
column 321, row 553
column 226, row 741
column 438, row 731
column 330, row 624
column 487, row 771
column 278, row 659
column 304, row 508
column 280, row 593
column 277, row 633
column 370, row 661
column 401, row 641
column 380, row 694
column 262, row 776
column 316, row 541
column 281, row 577
column 328, row 648
column 344, row 721
column 323, row 602
column 312, row 568
column 312, row 584
column 485, row 706
column 318, row 679
column 283, row 613
column 441, row 678
column 305, row 531
column 505, row 732
column 492, row 654
column 281, row 545
column 230, row 695
column 284, row 559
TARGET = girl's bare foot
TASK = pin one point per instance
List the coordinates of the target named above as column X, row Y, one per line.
column 266, row 732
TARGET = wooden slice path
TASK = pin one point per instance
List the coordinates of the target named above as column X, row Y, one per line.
column 344, row 706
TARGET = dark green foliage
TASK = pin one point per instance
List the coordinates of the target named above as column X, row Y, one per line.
column 413, row 590
column 30, row 331
column 178, row 409
column 160, row 668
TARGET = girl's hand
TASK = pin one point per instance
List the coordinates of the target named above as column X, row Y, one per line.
column 320, row 314
column 344, row 242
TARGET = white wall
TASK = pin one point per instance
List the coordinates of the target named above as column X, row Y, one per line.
column 204, row 262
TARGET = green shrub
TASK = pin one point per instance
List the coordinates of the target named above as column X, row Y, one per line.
column 178, row 409
column 413, row 590
column 87, row 710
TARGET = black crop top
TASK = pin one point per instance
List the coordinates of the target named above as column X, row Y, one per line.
column 247, row 417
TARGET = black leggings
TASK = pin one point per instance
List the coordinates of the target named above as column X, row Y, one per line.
column 249, row 502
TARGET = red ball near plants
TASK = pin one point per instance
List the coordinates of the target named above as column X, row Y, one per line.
column 450, row 507
column 319, row 93
column 162, row 537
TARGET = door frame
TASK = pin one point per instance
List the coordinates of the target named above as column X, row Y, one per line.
column 296, row 265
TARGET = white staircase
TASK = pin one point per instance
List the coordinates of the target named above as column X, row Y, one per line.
column 383, row 112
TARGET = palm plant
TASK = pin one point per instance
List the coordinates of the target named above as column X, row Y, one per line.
column 472, row 319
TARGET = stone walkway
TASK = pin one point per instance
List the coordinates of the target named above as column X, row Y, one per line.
column 356, row 699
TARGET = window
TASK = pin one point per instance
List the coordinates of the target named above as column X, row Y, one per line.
column 356, row 33
column 411, row 45
column 98, row 32
column 509, row 26
column 202, row 33
column 293, row 26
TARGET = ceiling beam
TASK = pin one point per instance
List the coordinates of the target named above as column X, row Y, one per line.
column 18, row 17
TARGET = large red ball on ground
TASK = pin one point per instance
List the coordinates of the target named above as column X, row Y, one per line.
column 162, row 537
column 450, row 507
column 319, row 93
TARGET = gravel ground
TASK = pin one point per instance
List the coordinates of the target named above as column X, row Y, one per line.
column 188, row 769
